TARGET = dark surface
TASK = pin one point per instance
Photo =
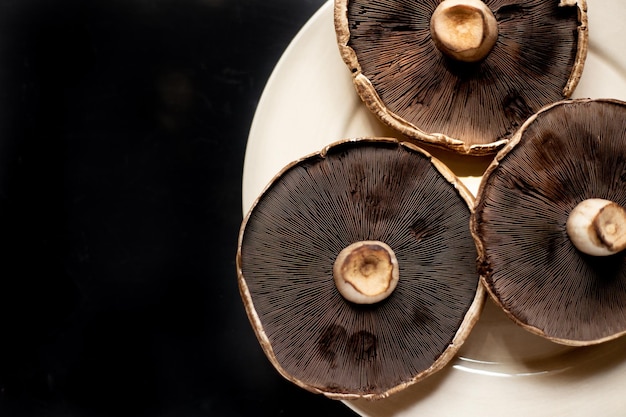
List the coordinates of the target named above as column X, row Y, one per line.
column 123, row 126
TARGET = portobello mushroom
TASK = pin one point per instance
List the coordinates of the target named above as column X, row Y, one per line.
column 461, row 74
column 550, row 224
column 357, row 268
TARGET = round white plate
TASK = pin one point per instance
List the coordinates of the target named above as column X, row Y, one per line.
column 502, row 370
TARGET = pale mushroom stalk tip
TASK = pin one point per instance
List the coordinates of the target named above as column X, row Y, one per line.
column 465, row 30
column 366, row 272
column 597, row 227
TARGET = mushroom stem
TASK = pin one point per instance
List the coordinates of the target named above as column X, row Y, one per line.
column 597, row 227
column 465, row 30
column 366, row 272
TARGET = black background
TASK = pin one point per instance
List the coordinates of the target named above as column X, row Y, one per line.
column 123, row 126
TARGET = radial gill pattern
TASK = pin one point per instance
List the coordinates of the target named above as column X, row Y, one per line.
column 354, row 191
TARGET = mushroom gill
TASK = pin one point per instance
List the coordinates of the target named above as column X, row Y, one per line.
column 385, row 194
column 570, row 155
column 425, row 91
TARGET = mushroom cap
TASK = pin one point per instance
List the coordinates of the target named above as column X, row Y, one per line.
column 568, row 152
column 468, row 107
column 360, row 190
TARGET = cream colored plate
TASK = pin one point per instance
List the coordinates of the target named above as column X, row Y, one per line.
column 309, row 102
